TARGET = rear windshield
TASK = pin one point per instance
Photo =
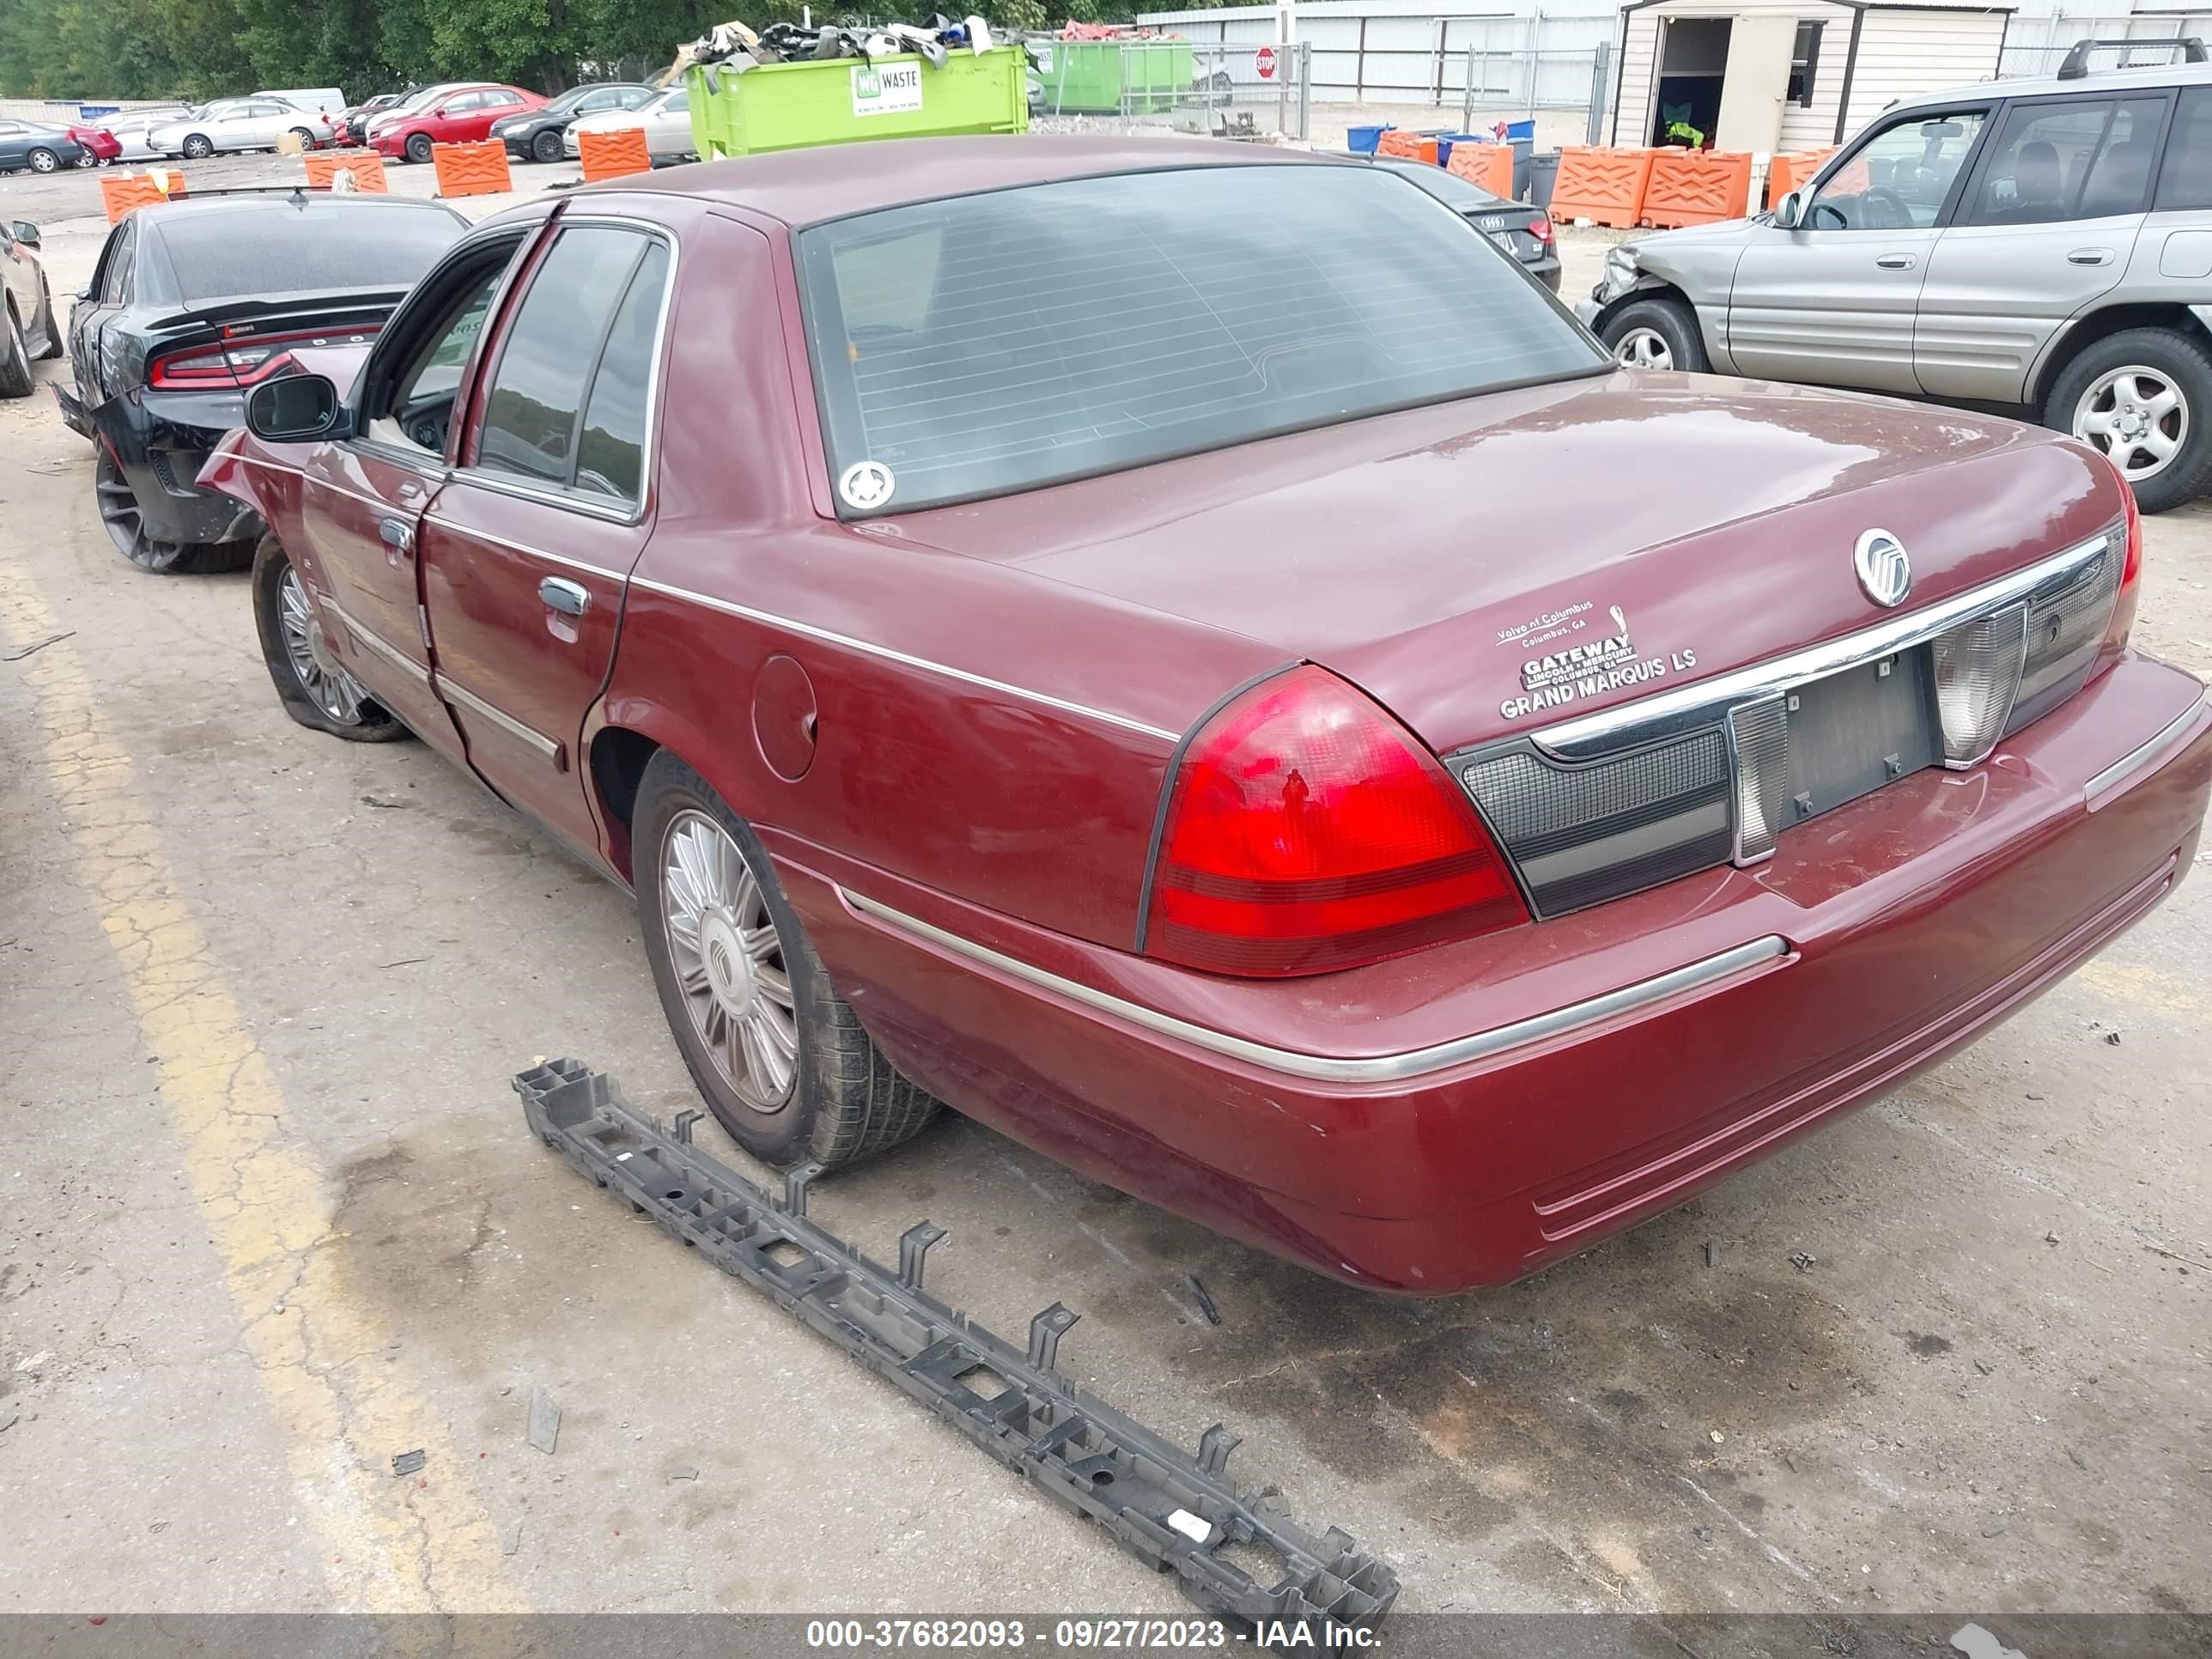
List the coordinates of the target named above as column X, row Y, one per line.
column 999, row 342
column 217, row 255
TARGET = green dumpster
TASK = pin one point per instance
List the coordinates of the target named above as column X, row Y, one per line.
column 793, row 106
column 1114, row 77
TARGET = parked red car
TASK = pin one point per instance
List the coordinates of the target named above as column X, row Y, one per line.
column 1184, row 653
column 463, row 115
column 100, row 146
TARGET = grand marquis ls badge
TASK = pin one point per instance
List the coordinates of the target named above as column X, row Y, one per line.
column 1884, row 571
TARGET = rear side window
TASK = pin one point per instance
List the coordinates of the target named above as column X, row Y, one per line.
column 2082, row 159
column 280, row 249
column 586, row 307
column 2185, row 179
column 999, row 342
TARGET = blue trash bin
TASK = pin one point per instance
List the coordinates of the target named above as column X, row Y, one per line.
column 1361, row 140
column 1444, row 144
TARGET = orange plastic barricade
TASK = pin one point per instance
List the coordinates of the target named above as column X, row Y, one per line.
column 120, row 192
column 1789, row 170
column 471, row 169
column 1408, row 147
column 1605, row 186
column 366, row 166
column 612, row 155
column 1487, row 166
column 1696, row 187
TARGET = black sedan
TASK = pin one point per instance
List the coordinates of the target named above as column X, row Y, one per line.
column 194, row 301
column 535, row 135
column 1522, row 231
column 37, row 145
column 27, row 328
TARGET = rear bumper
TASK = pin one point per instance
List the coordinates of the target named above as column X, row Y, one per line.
column 162, row 441
column 1909, row 922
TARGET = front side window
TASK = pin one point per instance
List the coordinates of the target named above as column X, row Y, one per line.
column 538, row 388
column 1899, row 178
column 2080, row 159
column 994, row 343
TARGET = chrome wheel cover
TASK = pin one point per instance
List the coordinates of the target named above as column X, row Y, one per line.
column 2137, row 416
column 729, row 962
column 325, row 681
column 1643, row 348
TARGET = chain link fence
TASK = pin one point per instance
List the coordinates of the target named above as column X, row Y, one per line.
column 2039, row 45
column 1219, row 89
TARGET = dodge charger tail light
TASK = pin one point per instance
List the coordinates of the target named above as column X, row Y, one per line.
column 246, row 361
column 1306, row 830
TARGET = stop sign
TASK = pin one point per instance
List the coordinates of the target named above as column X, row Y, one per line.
column 1264, row 61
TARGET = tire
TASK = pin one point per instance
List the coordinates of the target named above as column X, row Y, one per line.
column 418, row 148
column 118, row 505
column 315, row 690
column 198, row 147
column 2100, row 397
column 14, row 355
column 306, row 139
column 546, row 146
column 1656, row 334
column 840, row 1101
column 43, row 160
column 87, row 159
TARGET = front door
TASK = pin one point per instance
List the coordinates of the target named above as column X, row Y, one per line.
column 2047, row 226
column 1832, row 300
column 527, row 553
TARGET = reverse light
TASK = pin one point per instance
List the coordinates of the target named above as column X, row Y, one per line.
column 243, row 362
column 1306, row 831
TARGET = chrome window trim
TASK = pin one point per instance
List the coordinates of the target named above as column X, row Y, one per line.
column 2142, row 756
column 1380, row 1068
column 376, row 643
column 623, row 513
column 905, row 660
column 549, row 747
column 1706, row 702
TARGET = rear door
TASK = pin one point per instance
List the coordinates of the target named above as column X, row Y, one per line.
column 1831, row 301
column 528, row 551
column 2047, row 227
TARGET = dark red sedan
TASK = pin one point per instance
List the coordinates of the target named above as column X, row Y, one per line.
column 1188, row 654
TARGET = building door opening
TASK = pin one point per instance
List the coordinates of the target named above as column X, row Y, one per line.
column 1694, row 53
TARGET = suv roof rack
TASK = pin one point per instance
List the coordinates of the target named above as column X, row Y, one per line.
column 2076, row 66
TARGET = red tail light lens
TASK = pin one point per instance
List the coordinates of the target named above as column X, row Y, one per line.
column 2123, row 607
column 1307, row 831
column 1540, row 228
column 243, row 361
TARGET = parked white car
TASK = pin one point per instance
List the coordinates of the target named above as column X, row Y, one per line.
column 667, row 121
column 130, row 127
column 235, row 124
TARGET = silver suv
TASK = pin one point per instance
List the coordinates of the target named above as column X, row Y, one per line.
column 2044, row 245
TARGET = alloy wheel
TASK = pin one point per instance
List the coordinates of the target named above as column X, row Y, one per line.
column 126, row 522
column 1643, row 348
column 327, row 684
column 44, row 160
column 729, row 962
column 197, row 148
column 2137, row 416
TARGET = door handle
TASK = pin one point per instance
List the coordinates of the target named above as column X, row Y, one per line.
column 570, row 598
column 2090, row 255
column 1896, row 261
column 398, row 536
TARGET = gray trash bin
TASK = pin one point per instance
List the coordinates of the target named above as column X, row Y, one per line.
column 1543, row 172
column 1521, row 149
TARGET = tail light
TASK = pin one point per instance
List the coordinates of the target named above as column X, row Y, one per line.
column 2123, row 610
column 1307, row 831
column 240, row 363
column 1540, row 228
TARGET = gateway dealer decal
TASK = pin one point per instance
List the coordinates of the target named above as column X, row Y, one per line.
column 1587, row 668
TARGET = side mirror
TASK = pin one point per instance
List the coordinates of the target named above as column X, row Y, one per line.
column 25, row 232
column 1789, row 212
column 297, row 409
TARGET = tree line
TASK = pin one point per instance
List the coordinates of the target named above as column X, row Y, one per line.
column 199, row 49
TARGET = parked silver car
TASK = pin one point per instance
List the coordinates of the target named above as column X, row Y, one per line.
column 130, row 127
column 2044, row 246
column 234, row 124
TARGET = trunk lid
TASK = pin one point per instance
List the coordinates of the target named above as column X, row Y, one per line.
column 1457, row 561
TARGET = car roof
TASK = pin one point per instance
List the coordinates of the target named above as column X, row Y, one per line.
column 835, row 181
column 266, row 202
column 2042, row 86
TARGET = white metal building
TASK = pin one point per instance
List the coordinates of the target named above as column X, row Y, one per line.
column 1766, row 75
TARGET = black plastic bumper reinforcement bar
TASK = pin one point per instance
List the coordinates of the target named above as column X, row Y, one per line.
column 1175, row 1512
